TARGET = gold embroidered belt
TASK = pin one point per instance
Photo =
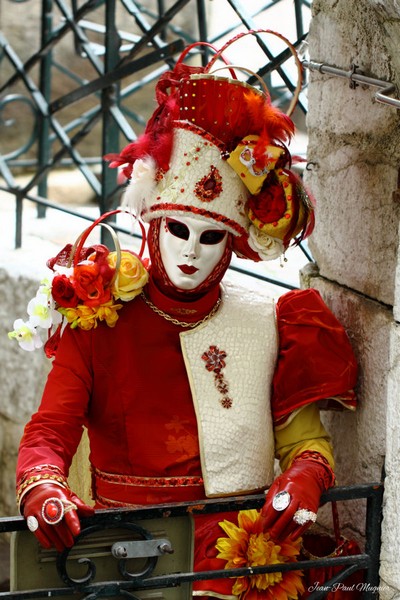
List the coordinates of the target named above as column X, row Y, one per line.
column 133, row 480
column 113, row 490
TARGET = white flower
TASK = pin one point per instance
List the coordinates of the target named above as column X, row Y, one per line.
column 26, row 335
column 267, row 247
column 143, row 168
column 45, row 288
column 40, row 312
column 56, row 317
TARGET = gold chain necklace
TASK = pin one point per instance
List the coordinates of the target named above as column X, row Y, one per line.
column 164, row 315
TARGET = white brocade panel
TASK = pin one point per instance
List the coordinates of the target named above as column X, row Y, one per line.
column 237, row 441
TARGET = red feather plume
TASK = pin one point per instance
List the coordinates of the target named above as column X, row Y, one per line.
column 264, row 117
column 156, row 141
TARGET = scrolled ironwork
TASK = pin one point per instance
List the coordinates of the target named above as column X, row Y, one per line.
column 77, row 583
column 368, row 561
column 114, row 55
column 4, row 103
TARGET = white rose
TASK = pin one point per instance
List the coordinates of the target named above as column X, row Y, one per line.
column 267, row 247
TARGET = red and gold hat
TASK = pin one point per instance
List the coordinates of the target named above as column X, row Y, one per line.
column 215, row 148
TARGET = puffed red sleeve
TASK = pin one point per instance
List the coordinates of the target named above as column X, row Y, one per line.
column 316, row 362
column 54, row 431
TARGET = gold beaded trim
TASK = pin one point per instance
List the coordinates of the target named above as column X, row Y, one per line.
column 134, row 480
column 45, row 477
column 40, row 469
column 168, row 317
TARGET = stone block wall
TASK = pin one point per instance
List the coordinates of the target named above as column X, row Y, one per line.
column 22, row 377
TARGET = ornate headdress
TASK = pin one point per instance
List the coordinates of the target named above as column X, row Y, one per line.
column 216, row 147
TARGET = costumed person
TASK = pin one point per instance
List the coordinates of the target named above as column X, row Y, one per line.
column 190, row 388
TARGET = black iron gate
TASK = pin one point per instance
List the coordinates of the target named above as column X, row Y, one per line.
column 105, row 57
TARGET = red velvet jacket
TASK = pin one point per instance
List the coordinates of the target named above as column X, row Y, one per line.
column 129, row 386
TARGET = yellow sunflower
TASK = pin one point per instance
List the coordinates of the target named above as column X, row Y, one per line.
column 247, row 545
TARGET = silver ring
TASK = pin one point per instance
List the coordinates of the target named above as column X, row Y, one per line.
column 303, row 516
column 32, row 523
column 281, row 500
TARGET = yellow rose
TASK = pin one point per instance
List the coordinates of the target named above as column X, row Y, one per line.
column 130, row 278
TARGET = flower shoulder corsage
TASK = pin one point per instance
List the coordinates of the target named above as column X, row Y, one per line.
column 88, row 285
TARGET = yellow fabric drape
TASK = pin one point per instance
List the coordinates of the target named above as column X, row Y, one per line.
column 304, row 432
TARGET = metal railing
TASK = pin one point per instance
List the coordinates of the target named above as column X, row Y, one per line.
column 134, row 522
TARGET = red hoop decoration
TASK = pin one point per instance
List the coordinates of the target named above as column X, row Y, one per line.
column 76, row 249
column 285, row 40
column 191, row 46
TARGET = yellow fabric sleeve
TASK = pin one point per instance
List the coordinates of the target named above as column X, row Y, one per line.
column 304, row 432
column 79, row 477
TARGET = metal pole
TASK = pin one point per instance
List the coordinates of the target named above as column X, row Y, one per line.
column 110, row 132
column 373, row 541
column 355, row 77
column 161, row 12
column 45, row 88
column 298, row 5
column 203, row 30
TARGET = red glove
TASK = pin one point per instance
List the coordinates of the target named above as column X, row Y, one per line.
column 52, row 513
column 305, row 480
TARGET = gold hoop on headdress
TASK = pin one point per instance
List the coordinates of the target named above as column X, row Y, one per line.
column 246, row 70
column 292, row 49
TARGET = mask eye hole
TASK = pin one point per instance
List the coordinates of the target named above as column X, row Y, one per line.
column 212, row 237
column 178, row 229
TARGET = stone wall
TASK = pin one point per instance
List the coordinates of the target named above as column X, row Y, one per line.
column 22, row 376
column 355, row 150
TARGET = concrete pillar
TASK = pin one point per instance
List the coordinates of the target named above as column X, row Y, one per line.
column 354, row 146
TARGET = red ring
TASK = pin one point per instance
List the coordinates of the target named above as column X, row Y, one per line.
column 52, row 511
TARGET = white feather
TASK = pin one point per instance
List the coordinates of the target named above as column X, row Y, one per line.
column 141, row 185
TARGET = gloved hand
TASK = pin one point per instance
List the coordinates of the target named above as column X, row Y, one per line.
column 55, row 511
column 305, row 480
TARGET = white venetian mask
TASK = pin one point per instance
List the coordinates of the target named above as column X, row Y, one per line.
column 190, row 249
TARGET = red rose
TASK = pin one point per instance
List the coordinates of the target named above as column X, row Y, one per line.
column 270, row 204
column 90, row 285
column 63, row 292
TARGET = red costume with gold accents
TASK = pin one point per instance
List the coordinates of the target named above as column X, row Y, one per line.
column 129, row 386
column 131, row 390
column 190, row 388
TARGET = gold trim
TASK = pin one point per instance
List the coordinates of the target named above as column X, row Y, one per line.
column 168, row 317
column 155, row 482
